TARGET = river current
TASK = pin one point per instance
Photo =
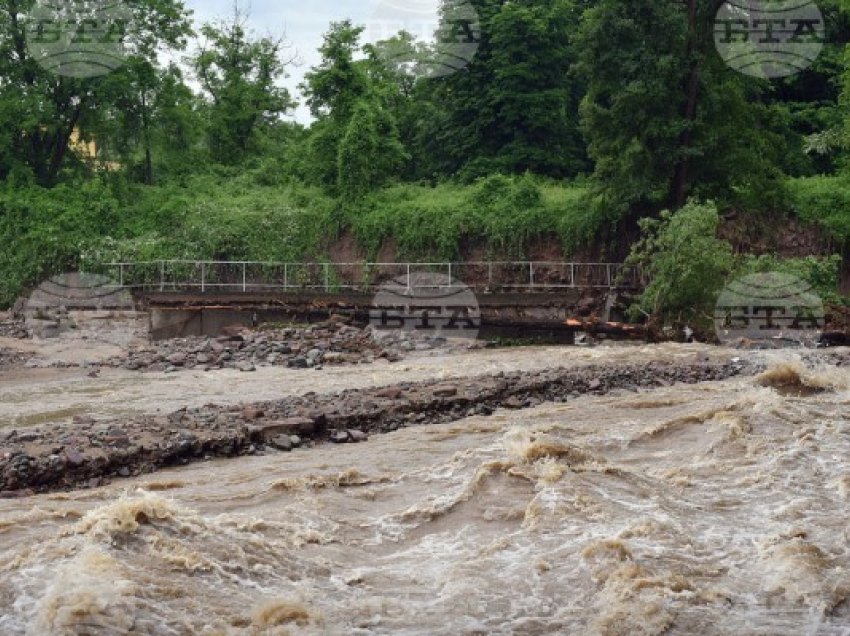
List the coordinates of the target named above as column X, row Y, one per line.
column 720, row 508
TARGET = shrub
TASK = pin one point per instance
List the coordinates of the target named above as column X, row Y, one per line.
column 685, row 262
column 824, row 201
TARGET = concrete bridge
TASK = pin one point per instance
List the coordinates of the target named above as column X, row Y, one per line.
column 514, row 298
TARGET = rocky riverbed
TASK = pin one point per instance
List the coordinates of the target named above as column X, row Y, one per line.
column 85, row 454
column 333, row 343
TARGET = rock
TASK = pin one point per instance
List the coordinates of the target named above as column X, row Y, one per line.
column 594, row 384
column 298, row 362
column 357, row 435
column 302, row 426
column 251, row 413
column 282, row 442
column 203, row 358
column 74, row 457
column 295, row 440
column 177, row 359
column 124, row 471
column 513, row 402
column 116, row 437
column 233, row 333
column 391, row 393
column 444, row 391
column 340, row 437
column 246, row 367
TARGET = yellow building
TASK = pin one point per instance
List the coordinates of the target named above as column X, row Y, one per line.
column 87, row 151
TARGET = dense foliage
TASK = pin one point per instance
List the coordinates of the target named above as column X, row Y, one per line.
column 576, row 119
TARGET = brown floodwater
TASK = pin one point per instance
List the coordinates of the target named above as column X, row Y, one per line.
column 721, row 508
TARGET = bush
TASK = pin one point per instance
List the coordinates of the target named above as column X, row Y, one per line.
column 823, row 201
column 504, row 213
column 823, row 274
column 260, row 214
column 686, row 263
column 43, row 232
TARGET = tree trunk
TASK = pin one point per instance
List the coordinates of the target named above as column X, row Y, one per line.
column 146, row 139
column 681, row 179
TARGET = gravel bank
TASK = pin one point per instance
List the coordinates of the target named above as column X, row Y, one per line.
column 54, row 458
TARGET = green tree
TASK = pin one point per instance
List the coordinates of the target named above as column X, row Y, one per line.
column 332, row 89
column 42, row 111
column 239, row 75
column 370, row 153
column 515, row 107
column 663, row 116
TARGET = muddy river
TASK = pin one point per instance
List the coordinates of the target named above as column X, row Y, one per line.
column 720, row 508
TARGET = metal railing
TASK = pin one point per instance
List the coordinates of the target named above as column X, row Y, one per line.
column 251, row 276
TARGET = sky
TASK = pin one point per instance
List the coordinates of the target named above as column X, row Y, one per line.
column 303, row 22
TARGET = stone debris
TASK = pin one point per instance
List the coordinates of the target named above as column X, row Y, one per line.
column 87, row 452
column 331, row 343
column 13, row 328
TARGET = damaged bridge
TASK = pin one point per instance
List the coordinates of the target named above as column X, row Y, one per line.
column 515, row 299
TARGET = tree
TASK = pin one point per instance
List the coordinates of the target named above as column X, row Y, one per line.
column 370, row 153
column 663, row 116
column 515, row 107
column 153, row 128
column 43, row 111
column 239, row 75
column 334, row 87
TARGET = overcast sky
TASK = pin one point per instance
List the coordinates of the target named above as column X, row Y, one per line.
column 305, row 21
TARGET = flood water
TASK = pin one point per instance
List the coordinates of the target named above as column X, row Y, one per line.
column 721, row 508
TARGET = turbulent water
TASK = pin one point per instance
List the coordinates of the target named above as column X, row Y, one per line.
column 713, row 509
